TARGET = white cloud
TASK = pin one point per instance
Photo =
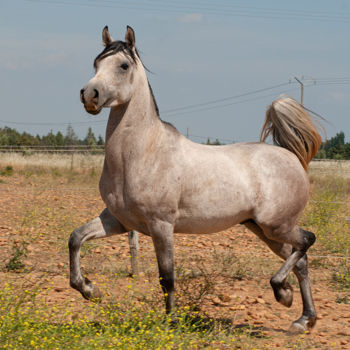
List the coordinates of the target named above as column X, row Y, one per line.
column 192, row 18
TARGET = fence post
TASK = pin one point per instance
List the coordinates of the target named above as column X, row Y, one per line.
column 72, row 161
column 134, row 247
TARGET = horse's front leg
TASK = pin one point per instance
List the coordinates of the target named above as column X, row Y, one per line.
column 103, row 226
column 163, row 240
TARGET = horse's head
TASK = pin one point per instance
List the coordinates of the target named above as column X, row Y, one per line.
column 115, row 67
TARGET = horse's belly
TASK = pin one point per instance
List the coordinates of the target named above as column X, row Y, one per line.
column 212, row 215
column 208, row 224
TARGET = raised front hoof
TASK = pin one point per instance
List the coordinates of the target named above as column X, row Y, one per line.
column 91, row 292
column 284, row 295
column 302, row 325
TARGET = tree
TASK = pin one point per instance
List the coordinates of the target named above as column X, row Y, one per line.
column 4, row 140
column 335, row 146
column 12, row 136
column 347, row 151
column 215, row 143
column 100, row 141
column 26, row 139
column 71, row 138
column 59, row 139
column 90, row 138
column 49, row 139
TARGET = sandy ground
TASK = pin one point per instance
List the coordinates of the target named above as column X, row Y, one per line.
column 41, row 211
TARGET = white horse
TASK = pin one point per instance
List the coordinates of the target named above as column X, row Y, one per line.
column 158, row 182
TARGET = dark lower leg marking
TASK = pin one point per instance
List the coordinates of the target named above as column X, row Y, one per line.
column 167, row 282
column 163, row 241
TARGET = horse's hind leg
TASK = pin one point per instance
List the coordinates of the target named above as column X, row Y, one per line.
column 308, row 318
column 283, row 291
column 103, row 226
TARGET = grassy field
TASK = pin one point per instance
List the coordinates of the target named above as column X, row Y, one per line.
column 223, row 296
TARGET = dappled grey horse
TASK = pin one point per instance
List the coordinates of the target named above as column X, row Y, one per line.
column 158, row 182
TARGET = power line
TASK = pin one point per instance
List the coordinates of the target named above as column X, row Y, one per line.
column 225, row 98
column 227, row 104
column 231, row 6
column 208, row 105
column 237, row 11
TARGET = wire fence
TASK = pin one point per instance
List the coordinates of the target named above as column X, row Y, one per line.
column 27, row 150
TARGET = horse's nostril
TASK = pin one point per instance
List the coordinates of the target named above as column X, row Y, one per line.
column 82, row 95
column 96, row 93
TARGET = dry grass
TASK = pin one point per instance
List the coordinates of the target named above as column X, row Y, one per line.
column 74, row 161
column 86, row 160
column 340, row 168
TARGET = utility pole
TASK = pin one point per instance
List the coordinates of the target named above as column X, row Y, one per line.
column 302, row 91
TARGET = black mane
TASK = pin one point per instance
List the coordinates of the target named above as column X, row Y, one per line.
column 113, row 48
column 121, row 46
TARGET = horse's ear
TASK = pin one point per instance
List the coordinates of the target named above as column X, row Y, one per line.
column 130, row 37
column 106, row 37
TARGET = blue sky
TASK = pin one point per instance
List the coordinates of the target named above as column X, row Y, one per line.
column 198, row 51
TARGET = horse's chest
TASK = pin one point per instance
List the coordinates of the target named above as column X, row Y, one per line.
column 123, row 197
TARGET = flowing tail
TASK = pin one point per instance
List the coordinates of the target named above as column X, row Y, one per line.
column 291, row 127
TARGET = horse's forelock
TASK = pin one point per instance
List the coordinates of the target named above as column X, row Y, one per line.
column 113, row 48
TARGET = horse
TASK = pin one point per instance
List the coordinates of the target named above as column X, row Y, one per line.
column 158, row 182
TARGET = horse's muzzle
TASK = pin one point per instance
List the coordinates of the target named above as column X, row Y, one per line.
column 90, row 101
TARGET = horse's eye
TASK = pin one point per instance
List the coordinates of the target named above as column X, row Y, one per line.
column 124, row 66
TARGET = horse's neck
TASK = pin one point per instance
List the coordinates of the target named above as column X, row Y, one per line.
column 132, row 126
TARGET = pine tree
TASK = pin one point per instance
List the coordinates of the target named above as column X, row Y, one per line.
column 71, row 138
column 90, row 138
column 59, row 139
column 100, row 141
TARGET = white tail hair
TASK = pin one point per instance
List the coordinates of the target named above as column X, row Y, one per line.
column 291, row 127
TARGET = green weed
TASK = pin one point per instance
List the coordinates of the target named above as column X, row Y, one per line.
column 342, row 300
column 16, row 264
column 8, row 171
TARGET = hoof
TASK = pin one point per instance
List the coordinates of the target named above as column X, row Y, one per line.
column 302, row 325
column 284, row 295
column 90, row 291
column 296, row 328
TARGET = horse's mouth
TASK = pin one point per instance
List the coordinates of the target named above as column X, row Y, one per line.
column 92, row 110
